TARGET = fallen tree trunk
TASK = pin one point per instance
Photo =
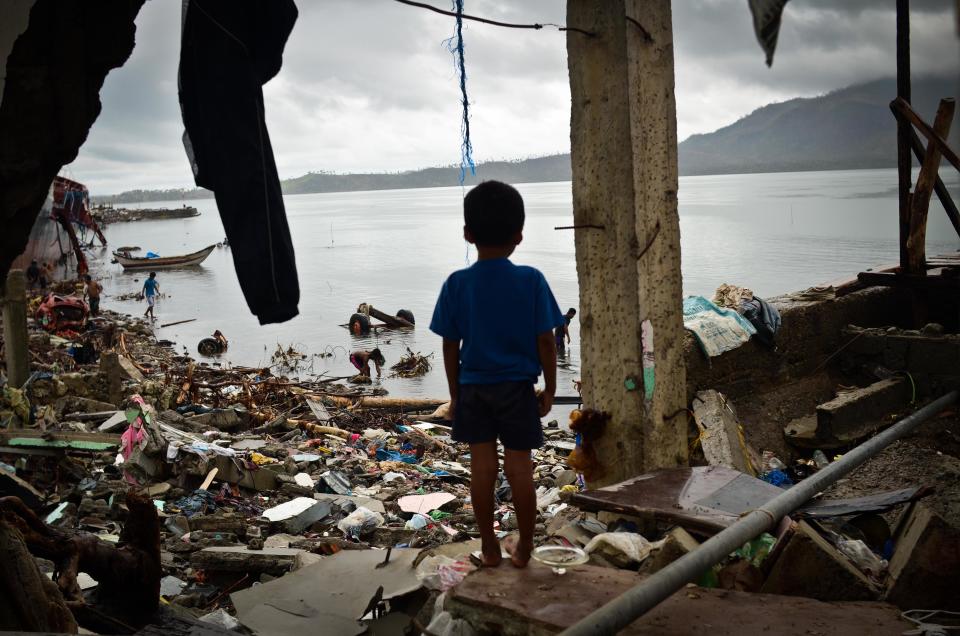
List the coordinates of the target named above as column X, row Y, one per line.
column 128, row 573
column 378, row 402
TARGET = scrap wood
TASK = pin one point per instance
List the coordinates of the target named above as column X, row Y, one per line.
column 126, row 354
column 319, row 429
column 187, row 383
column 412, row 365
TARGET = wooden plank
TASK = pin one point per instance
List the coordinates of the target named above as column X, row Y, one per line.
column 920, row 201
column 902, row 109
column 942, row 193
column 905, row 280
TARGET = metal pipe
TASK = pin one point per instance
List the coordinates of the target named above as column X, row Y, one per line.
column 635, row 602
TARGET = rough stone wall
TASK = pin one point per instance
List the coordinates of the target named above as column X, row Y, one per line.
column 623, row 153
column 51, row 98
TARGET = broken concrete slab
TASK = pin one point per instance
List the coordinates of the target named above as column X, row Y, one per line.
column 116, row 366
column 924, row 571
column 334, row 593
column 551, row 603
column 721, row 438
column 855, row 414
column 879, row 502
column 114, row 424
column 342, row 500
column 228, row 420
column 676, row 543
column 272, row 561
column 809, row 566
column 259, row 479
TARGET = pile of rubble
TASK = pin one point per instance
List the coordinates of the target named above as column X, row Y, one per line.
column 161, row 493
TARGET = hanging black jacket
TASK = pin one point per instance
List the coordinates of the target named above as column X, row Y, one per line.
column 228, row 50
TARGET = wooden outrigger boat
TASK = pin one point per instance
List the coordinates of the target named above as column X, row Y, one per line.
column 163, row 262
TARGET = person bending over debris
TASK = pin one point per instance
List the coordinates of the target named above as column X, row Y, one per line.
column 361, row 360
column 150, row 289
column 91, row 292
column 497, row 320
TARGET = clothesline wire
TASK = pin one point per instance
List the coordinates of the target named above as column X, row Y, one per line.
column 509, row 25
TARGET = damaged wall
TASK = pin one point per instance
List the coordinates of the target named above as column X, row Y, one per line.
column 52, row 74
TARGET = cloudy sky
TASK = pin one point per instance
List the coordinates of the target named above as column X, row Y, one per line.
column 367, row 85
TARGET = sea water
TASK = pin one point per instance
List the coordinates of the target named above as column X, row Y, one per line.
column 774, row 233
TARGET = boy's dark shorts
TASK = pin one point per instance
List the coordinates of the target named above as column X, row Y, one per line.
column 507, row 410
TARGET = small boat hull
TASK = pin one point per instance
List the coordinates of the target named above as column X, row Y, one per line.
column 163, row 262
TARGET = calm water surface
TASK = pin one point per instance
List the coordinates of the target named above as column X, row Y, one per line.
column 773, row 233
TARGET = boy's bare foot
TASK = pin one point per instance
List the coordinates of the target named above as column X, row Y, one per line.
column 519, row 553
column 490, row 555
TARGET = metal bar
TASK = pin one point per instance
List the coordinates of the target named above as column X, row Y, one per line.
column 634, row 603
column 904, row 163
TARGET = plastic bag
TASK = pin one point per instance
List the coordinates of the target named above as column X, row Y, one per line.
column 418, row 522
column 862, row 556
column 621, row 548
column 360, row 522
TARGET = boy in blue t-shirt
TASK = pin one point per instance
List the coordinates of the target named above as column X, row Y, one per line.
column 497, row 320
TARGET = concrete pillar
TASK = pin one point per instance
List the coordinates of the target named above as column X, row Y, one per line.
column 623, row 132
column 15, row 329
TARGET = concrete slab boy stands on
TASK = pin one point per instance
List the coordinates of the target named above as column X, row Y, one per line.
column 925, row 568
column 550, row 603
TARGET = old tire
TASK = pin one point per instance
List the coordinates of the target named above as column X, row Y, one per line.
column 359, row 325
column 407, row 315
column 209, row 347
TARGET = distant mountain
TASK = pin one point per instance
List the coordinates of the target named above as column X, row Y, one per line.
column 846, row 129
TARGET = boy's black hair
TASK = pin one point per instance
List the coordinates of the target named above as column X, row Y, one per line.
column 153, row 274
column 493, row 213
column 88, row 278
column 376, row 354
column 572, row 311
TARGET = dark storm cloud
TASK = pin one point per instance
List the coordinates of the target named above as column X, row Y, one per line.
column 369, row 85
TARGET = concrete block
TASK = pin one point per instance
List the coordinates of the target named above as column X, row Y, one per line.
column 861, row 411
column 114, row 365
column 261, row 480
column 721, row 439
column 924, row 571
column 677, row 543
column 272, row 561
column 227, row 420
column 809, row 566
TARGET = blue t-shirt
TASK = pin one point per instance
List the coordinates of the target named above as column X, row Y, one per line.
column 497, row 309
column 150, row 286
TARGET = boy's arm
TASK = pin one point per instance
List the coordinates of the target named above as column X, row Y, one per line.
column 547, row 349
column 377, row 364
column 566, row 331
column 451, row 364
